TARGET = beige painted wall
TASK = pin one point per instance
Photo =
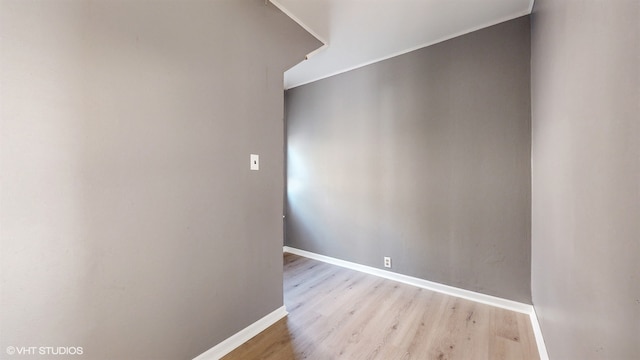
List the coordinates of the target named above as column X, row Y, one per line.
column 130, row 223
column 586, row 177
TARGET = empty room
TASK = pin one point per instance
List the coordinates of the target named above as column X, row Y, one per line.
column 319, row 179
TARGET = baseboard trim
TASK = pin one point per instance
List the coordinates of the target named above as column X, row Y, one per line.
column 243, row 335
column 425, row 284
column 537, row 332
column 434, row 286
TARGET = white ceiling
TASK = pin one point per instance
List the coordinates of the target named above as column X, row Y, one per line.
column 361, row 32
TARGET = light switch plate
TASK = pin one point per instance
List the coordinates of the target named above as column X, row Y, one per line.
column 255, row 162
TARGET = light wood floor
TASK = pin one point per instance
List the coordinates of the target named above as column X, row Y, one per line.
column 337, row 313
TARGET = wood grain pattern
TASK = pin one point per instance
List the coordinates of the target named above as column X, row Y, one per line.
column 337, row 313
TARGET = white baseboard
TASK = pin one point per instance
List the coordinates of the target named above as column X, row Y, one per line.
column 425, row 284
column 242, row 336
column 434, row 286
column 537, row 331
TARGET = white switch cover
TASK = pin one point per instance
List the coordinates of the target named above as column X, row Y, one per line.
column 255, row 162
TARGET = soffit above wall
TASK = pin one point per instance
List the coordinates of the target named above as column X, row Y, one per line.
column 361, row 32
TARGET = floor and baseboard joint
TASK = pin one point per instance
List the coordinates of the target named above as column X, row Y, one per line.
column 243, row 335
column 437, row 287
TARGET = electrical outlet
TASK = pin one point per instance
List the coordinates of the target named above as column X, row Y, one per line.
column 387, row 262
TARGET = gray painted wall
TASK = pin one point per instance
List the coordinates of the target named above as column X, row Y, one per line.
column 130, row 222
column 586, row 177
column 424, row 157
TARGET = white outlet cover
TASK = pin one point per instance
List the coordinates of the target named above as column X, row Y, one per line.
column 387, row 261
column 255, row 162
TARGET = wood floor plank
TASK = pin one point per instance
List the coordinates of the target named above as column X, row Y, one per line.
column 337, row 313
column 527, row 337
